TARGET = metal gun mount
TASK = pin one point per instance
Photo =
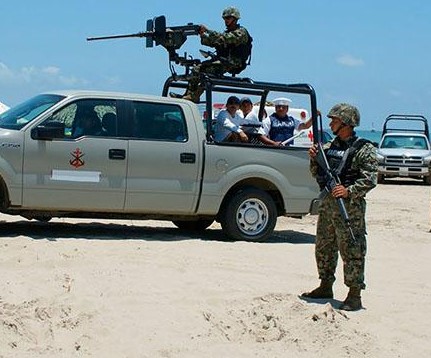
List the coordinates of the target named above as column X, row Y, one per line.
column 171, row 38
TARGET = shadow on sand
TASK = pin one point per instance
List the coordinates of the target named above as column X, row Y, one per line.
column 112, row 231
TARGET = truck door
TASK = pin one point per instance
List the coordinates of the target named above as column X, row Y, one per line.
column 164, row 160
column 82, row 166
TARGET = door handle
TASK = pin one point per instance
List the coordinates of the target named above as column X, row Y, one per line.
column 117, row 154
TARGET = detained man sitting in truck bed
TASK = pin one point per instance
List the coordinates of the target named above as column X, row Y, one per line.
column 228, row 123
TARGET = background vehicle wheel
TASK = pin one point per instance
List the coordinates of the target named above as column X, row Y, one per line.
column 194, row 225
column 249, row 215
column 42, row 218
column 380, row 179
column 427, row 180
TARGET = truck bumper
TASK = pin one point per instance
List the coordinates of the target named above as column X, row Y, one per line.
column 404, row 172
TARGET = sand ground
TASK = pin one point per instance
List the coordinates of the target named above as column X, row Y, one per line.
column 86, row 288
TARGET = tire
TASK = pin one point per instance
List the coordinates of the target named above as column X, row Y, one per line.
column 249, row 215
column 42, row 218
column 194, row 225
column 380, row 179
column 427, row 180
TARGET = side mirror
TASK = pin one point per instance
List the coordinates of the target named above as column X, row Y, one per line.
column 48, row 131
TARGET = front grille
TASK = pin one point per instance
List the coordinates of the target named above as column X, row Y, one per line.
column 401, row 160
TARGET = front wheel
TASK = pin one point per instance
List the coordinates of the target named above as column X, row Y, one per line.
column 249, row 215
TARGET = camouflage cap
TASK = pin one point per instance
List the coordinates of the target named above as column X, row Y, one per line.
column 231, row 11
column 347, row 113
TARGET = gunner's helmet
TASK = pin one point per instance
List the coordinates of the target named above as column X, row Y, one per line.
column 231, row 11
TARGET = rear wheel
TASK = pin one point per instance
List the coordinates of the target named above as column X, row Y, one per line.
column 249, row 215
column 193, row 225
column 42, row 218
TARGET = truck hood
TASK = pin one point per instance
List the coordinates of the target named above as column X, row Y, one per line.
column 7, row 133
column 404, row 152
column 10, row 138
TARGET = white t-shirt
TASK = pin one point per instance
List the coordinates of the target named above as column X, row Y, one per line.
column 252, row 120
column 225, row 124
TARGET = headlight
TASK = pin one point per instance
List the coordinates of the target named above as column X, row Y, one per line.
column 427, row 160
column 380, row 158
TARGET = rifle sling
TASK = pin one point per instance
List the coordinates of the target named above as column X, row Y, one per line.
column 357, row 144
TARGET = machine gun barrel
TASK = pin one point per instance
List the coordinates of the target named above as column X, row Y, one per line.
column 331, row 181
column 138, row 34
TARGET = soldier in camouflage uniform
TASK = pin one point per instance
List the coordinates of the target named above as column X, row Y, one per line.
column 231, row 48
column 358, row 175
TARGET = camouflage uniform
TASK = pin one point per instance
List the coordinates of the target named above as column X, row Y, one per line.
column 355, row 162
column 229, row 46
column 332, row 234
column 225, row 43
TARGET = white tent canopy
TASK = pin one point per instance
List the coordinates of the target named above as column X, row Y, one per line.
column 3, row 107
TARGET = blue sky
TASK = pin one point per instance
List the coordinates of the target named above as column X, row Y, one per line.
column 373, row 54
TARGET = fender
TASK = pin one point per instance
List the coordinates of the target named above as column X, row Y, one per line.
column 287, row 174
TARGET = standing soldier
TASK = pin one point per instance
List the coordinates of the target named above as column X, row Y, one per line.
column 356, row 163
column 233, row 49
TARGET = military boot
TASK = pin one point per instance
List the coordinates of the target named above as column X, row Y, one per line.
column 189, row 97
column 353, row 300
column 194, row 94
column 323, row 291
column 175, row 95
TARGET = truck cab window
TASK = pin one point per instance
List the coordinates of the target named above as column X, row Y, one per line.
column 156, row 121
column 84, row 117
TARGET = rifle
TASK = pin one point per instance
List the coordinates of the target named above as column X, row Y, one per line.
column 332, row 180
column 291, row 139
column 171, row 38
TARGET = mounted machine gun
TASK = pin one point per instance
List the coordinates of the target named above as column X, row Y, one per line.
column 171, row 38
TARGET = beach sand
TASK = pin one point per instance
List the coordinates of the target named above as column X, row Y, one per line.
column 86, row 288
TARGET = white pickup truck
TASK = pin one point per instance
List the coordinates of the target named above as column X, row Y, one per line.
column 119, row 155
column 404, row 150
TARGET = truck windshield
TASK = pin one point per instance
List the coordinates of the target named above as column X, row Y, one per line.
column 18, row 116
column 407, row 142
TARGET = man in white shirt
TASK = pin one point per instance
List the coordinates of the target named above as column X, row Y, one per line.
column 228, row 123
column 250, row 124
column 246, row 107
